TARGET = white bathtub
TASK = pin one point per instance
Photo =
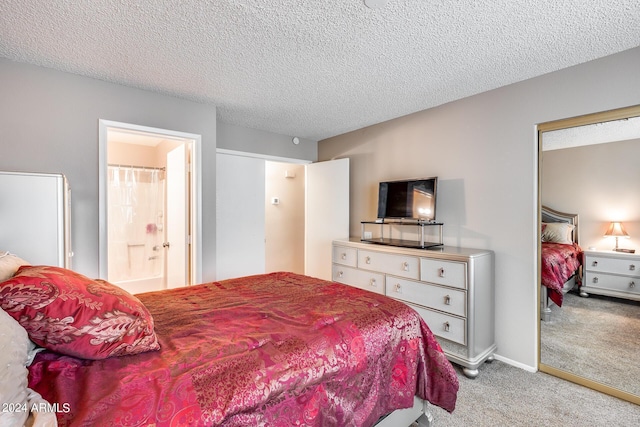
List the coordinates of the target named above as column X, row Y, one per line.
column 147, row 284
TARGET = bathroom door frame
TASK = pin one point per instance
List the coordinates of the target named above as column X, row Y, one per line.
column 194, row 269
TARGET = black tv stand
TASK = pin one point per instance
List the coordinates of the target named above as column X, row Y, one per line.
column 384, row 235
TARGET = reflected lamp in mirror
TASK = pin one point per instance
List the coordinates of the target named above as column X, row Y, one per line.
column 617, row 230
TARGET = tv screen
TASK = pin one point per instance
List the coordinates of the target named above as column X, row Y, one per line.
column 409, row 199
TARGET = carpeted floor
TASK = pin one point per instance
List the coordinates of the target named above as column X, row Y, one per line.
column 595, row 337
column 504, row 395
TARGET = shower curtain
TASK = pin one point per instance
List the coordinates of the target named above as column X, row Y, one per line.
column 135, row 223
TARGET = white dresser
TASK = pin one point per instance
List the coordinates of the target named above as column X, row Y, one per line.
column 452, row 289
column 615, row 274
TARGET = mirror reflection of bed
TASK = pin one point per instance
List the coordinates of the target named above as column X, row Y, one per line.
column 589, row 177
column 561, row 258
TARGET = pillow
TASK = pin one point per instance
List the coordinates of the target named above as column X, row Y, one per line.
column 557, row 232
column 13, row 372
column 9, row 264
column 69, row 313
column 20, row 404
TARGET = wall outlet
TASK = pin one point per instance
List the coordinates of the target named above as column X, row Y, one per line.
column 368, row 235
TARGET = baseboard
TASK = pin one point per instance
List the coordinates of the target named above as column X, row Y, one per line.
column 516, row 364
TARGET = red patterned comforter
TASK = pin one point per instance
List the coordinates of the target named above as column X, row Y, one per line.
column 277, row 349
column 559, row 263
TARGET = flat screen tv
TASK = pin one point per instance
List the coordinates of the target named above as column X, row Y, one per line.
column 408, row 199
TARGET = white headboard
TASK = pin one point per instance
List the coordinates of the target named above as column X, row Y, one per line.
column 550, row 215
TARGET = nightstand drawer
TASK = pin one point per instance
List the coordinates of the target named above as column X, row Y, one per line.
column 366, row 280
column 444, row 325
column 345, row 256
column 628, row 285
column 442, row 272
column 612, row 265
column 449, row 300
column 398, row 265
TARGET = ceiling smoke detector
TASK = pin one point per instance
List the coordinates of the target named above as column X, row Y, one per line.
column 375, row 4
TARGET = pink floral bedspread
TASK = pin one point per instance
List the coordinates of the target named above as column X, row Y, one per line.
column 277, row 349
column 559, row 262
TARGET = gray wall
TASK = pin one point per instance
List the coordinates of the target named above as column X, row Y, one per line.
column 49, row 123
column 484, row 151
column 232, row 137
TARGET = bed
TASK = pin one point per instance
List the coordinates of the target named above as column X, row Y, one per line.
column 276, row 349
column 560, row 258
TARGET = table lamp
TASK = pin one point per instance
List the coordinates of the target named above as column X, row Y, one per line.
column 617, row 230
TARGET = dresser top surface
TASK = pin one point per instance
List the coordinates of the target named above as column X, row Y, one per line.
column 438, row 251
column 612, row 254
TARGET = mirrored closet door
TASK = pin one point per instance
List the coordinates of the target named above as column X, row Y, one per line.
column 588, row 167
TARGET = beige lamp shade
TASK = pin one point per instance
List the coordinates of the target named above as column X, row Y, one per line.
column 616, row 230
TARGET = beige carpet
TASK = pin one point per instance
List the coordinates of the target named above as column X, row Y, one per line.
column 596, row 337
column 504, row 395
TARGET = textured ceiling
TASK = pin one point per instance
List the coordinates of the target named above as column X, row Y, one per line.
column 315, row 68
column 598, row 133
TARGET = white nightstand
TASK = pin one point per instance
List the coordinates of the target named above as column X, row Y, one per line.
column 611, row 273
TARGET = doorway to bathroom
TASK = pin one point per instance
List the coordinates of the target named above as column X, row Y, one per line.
column 148, row 204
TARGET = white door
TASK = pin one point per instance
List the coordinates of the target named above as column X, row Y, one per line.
column 176, row 245
column 240, row 216
column 326, row 213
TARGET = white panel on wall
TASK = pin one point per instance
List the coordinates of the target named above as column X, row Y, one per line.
column 34, row 217
column 327, row 213
column 240, row 212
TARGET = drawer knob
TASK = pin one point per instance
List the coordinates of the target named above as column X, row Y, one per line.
column 398, row 288
column 446, row 326
column 367, row 260
column 594, row 263
column 344, row 256
column 595, row 280
column 405, row 266
column 372, row 282
column 632, row 284
column 632, row 267
column 340, row 273
column 441, row 272
column 447, row 300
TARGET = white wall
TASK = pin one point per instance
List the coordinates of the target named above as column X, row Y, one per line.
column 284, row 222
column 49, row 123
column 484, row 151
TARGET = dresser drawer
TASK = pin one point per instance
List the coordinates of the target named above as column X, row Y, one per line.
column 345, row 256
column 450, row 273
column 366, row 280
column 444, row 325
column 612, row 265
column 612, row 282
column 449, row 300
column 398, row 265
